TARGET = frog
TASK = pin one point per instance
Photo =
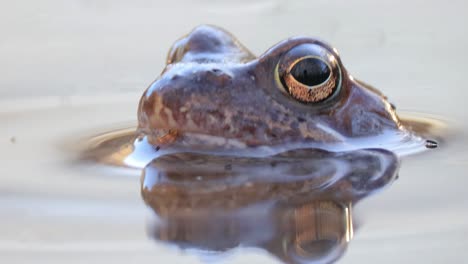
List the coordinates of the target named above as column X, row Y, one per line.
column 231, row 135
column 216, row 96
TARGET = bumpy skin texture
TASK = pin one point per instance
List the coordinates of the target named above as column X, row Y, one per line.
column 213, row 87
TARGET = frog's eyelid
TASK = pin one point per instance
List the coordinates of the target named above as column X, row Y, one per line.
column 278, row 80
column 286, row 45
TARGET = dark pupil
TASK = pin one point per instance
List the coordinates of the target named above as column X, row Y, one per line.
column 310, row 71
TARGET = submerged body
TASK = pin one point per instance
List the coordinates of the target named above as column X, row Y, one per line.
column 215, row 95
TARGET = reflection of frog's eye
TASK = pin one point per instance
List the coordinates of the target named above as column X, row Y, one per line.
column 309, row 78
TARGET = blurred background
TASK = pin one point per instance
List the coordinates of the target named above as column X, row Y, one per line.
column 71, row 69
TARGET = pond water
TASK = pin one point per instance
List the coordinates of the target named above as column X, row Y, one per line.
column 74, row 71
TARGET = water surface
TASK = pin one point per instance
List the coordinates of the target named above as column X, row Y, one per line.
column 73, row 70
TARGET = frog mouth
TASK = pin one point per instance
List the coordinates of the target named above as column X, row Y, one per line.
column 165, row 139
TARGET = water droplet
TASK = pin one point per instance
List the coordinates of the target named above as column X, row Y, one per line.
column 431, row 144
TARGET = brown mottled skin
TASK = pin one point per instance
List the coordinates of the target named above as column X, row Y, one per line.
column 213, row 86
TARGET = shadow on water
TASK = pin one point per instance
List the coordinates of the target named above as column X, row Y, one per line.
column 296, row 205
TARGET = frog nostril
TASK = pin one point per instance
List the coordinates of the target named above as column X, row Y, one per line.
column 218, row 76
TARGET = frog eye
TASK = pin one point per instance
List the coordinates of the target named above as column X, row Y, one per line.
column 309, row 74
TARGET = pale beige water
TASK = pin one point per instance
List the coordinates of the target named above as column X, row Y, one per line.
column 70, row 70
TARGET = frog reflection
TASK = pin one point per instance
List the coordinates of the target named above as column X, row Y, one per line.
column 296, row 208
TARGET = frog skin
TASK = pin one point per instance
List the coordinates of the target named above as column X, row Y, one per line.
column 215, row 95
